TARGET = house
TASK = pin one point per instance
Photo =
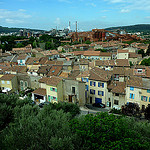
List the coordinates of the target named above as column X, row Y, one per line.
column 9, row 83
column 22, row 59
column 98, row 81
column 135, row 58
column 39, row 95
column 116, row 94
column 23, row 81
column 91, row 55
column 105, row 56
column 74, row 91
column 33, row 70
column 84, row 64
column 16, row 69
column 122, row 54
column 54, row 89
column 54, row 71
column 43, row 70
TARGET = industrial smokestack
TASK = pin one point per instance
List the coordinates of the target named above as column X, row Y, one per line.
column 76, row 27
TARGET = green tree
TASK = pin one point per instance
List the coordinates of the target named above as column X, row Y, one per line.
column 141, row 52
column 88, row 42
column 148, row 50
column 146, row 62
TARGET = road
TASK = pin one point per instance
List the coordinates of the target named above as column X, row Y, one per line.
column 89, row 109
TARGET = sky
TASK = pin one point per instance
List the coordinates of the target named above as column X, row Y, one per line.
column 90, row 14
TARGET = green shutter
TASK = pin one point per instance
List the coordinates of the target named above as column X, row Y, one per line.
column 55, row 90
column 142, row 98
column 51, row 89
column 51, row 97
column 56, row 98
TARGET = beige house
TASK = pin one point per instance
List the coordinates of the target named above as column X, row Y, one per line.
column 9, row 83
column 122, row 54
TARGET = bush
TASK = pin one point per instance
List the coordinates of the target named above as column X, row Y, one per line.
column 116, row 111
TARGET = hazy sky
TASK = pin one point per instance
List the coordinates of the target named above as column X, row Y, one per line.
column 47, row 14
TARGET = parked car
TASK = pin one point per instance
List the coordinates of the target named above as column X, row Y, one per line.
column 42, row 104
column 100, row 105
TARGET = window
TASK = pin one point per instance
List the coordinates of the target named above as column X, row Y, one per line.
column 116, row 102
column 8, row 82
column 131, row 88
column 85, row 79
column 144, row 98
column 3, row 82
column 92, row 91
column 53, row 89
column 54, row 98
column 148, row 91
column 101, row 93
column 139, row 71
column 92, row 83
column 116, row 94
column 100, row 84
column 132, row 95
column 73, row 90
column 21, row 61
column 26, row 84
column 21, row 83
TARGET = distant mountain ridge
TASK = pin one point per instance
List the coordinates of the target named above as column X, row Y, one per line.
column 8, row 30
column 132, row 28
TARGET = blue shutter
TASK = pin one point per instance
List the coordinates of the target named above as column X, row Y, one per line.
column 102, row 85
column 133, row 96
column 90, row 91
column 146, row 98
column 94, row 83
column 87, row 87
column 90, row 83
column 81, row 79
column 98, row 84
column 149, row 99
column 102, row 93
column 87, row 80
column 56, row 98
column 130, row 95
column 142, row 98
column 94, row 91
column 98, row 92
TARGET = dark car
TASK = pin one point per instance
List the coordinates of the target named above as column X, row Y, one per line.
column 100, row 105
column 42, row 104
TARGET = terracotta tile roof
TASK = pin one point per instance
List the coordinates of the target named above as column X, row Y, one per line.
column 98, row 74
column 135, row 82
column 64, row 75
column 19, row 69
column 119, row 70
column 122, row 51
column 117, row 87
column 54, row 71
column 7, row 77
column 91, row 53
column 43, row 60
column 38, row 49
column 43, row 69
column 21, row 57
column 50, row 62
column 43, row 80
column 84, row 62
column 129, row 72
column 32, row 60
column 54, row 81
column 40, row 91
column 76, row 53
column 140, row 67
column 105, row 54
column 84, row 74
column 99, row 63
column 74, row 74
column 122, row 62
column 134, row 55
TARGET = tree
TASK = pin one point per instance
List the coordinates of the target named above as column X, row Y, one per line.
column 102, row 50
column 148, row 50
column 141, row 52
column 88, row 42
column 147, row 112
column 146, row 62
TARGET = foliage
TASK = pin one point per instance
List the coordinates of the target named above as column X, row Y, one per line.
column 104, row 131
column 116, row 111
column 148, row 50
column 141, row 52
column 146, row 62
column 147, row 112
column 131, row 63
column 102, row 50
column 88, row 42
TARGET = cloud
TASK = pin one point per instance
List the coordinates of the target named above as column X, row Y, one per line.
column 103, row 17
column 125, row 11
column 57, row 21
column 18, row 16
column 147, row 17
column 91, row 4
column 116, row 1
column 13, row 21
